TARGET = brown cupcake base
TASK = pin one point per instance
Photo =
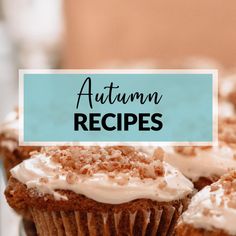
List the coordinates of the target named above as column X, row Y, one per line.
column 188, row 230
column 11, row 158
column 80, row 215
column 204, row 181
column 154, row 221
column 29, row 227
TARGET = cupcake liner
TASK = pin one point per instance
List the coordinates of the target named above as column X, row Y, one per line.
column 29, row 228
column 159, row 220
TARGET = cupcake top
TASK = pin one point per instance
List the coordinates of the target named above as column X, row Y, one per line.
column 105, row 174
column 214, row 206
column 199, row 161
column 9, row 131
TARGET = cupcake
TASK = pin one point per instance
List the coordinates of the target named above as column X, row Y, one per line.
column 11, row 153
column 99, row 191
column 212, row 211
column 204, row 165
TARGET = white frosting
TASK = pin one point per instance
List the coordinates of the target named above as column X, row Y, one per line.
column 226, row 109
column 10, row 127
column 100, row 187
column 220, row 215
column 149, row 149
column 206, row 163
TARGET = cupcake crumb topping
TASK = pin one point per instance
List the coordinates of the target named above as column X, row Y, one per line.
column 43, row 180
column 190, row 151
column 214, row 187
column 124, row 160
column 186, row 151
column 228, row 185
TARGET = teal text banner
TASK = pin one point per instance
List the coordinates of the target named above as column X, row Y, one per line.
column 107, row 106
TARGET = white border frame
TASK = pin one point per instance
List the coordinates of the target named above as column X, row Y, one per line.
column 214, row 72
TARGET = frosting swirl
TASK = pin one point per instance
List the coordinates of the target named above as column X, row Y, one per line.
column 214, row 161
column 196, row 161
column 44, row 172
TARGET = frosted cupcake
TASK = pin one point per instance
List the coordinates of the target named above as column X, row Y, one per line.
column 11, row 153
column 99, row 191
column 204, row 165
column 212, row 211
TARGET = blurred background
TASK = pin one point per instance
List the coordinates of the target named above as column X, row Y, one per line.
column 113, row 34
column 83, row 34
column 31, row 34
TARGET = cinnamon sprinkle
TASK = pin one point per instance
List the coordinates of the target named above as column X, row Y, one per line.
column 43, row 180
column 82, row 160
